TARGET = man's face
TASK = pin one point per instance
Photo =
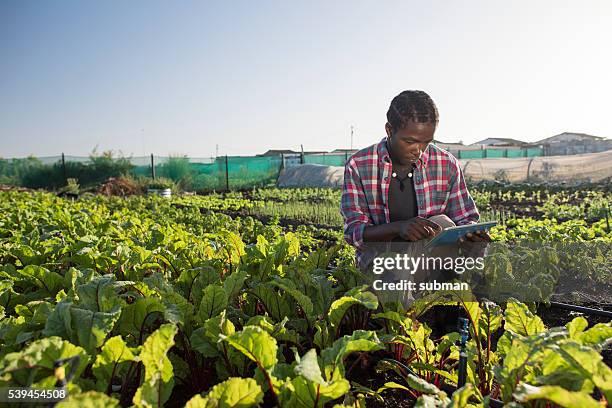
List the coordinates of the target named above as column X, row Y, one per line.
column 406, row 145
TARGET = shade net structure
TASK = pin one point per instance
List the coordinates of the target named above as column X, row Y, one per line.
column 592, row 167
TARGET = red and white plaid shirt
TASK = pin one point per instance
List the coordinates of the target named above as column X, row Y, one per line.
column 438, row 183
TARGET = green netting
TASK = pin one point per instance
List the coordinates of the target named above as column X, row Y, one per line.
column 494, row 153
column 199, row 174
column 535, row 151
column 245, row 172
column 470, row 154
column 515, row 153
column 326, row 159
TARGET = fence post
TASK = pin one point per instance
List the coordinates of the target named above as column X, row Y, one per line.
column 226, row 174
column 64, row 168
column 281, row 167
column 152, row 167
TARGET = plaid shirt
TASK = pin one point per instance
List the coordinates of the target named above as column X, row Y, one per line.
column 438, row 183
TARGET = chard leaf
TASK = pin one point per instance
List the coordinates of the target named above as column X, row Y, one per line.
column 307, row 394
column 134, row 317
column 49, row 282
column 90, row 399
column 214, row 301
column 596, row 336
column 256, row 344
column 192, row 282
column 289, row 288
column 356, row 296
column 36, row 362
column 308, row 367
column 159, row 380
column 99, row 294
column 276, row 305
column 359, row 340
column 232, row 393
column 577, row 327
column 234, row 283
column 555, row 394
column 415, row 383
column 108, row 363
column 521, row 321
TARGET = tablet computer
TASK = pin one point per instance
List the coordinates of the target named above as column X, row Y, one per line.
column 452, row 234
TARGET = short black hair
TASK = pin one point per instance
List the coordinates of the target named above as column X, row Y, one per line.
column 416, row 106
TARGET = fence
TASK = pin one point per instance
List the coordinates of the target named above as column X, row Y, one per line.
column 498, row 153
column 200, row 174
column 225, row 172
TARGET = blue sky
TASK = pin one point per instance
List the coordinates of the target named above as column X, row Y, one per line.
column 181, row 77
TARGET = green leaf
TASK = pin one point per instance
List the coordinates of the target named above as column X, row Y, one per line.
column 205, row 339
column 597, row 335
column 93, row 327
column 421, row 385
column 461, row 396
column 90, row 399
column 36, row 362
column 108, row 363
column 159, row 380
column 308, row 367
column 214, row 301
column 49, row 282
column 134, row 317
column 233, row 247
column 192, row 282
column 256, row 344
column 307, row 394
column 356, row 296
column 577, row 326
column 521, row 321
column 99, row 294
column 290, row 288
column 555, row 394
column 84, row 327
column 231, row 393
column 359, row 340
column 275, row 304
column 490, row 319
column 234, row 283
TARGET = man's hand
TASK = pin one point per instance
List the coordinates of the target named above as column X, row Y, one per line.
column 418, row 228
column 478, row 236
column 474, row 244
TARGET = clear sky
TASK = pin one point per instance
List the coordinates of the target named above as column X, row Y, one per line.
column 180, row 77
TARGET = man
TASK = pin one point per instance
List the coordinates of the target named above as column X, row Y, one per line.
column 391, row 188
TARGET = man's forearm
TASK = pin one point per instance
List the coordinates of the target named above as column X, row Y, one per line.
column 381, row 233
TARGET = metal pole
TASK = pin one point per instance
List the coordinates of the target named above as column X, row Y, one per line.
column 152, row 167
column 351, row 137
column 302, row 154
column 226, row 174
column 462, row 369
column 64, row 168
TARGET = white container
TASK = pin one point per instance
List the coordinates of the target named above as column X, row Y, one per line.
column 165, row 192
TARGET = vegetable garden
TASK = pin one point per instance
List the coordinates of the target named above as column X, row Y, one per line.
column 252, row 299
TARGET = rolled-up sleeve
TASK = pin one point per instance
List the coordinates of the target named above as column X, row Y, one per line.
column 354, row 207
column 461, row 207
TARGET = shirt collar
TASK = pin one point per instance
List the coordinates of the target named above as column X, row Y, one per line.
column 383, row 153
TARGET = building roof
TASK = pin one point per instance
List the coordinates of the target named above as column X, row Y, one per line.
column 278, row 152
column 570, row 136
column 351, row 151
column 500, row 141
